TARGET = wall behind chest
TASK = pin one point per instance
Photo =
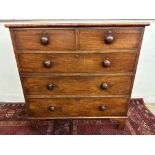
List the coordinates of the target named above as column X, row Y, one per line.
column 10, row 85
column 144, row 85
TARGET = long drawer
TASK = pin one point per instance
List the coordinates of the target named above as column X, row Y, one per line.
column 109, row 38
column 81, row 107
column 44, row 39
column 77, row 62
column 77, row 85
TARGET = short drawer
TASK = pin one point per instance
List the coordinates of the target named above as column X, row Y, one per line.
column 109, row 38
column 77, row 85
column 77, row 62
column 77, row 107
column 44, row 39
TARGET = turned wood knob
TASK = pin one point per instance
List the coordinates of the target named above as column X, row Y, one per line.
column 50, row 86
column 106, row 63
column 44, row 39
column 51, row 108
column 104, row 86
column 109, row 38
column 47, row 63
column 102, row 108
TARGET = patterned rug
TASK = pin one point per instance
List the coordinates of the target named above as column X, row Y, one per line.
column 13, row 121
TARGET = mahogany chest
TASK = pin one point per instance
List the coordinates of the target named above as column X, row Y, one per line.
column 77, row 70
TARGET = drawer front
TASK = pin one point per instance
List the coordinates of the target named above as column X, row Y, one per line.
column 77, row 85
column 81, row 107
column 77, row 62
column 99, row 39
column 44, row 39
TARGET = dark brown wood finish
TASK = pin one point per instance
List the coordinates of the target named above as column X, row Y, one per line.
column 76, row 85
column 32, row 39
column 77, row 70
column 95, row 39
column 77, row 62
column 77, row 107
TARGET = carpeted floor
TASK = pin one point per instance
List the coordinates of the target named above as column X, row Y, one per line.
column 13, row 121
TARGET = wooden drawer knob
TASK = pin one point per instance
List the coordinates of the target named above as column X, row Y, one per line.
column 102, row 108
column 44, row 39
column 109, row 38
column 51, row 108
column 50, row 86
column 47, row 63
column 106, row 63
column 104, row 86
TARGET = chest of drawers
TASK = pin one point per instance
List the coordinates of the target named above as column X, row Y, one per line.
column 77, row 70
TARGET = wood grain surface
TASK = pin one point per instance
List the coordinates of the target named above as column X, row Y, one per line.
column 29, row 39
column 77, row 85
column 71, row 86
column 78, row 23
column 94, row 39
column 81, row 107
column 77, row 62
